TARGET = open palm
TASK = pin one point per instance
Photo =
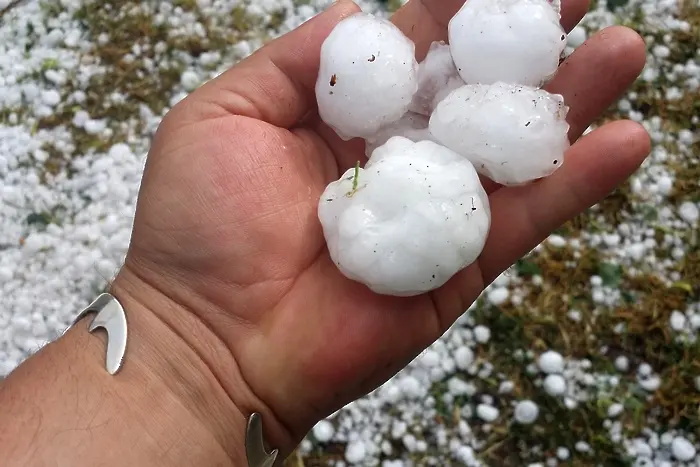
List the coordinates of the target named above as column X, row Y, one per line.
column 227, row 225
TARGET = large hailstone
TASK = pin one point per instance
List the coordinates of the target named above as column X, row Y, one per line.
column 434, row 74
column 512, row 134
column 411, row 219
column 514, row 41
column 367, row 76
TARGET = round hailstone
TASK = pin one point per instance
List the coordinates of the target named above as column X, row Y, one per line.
column 323, row 431
column 487, row 413
column 367, row 76
column 412, row 126
column 615, row 409
column 555, row 385
column 526, row 412
column 682, row 449
column 434, row 74
column 512, row 134
column 464, row 357
column 355, row 452
column 514, row 41
column 409, row 221
column 551, row 362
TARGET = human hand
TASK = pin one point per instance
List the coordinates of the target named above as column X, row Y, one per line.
column 227, row 233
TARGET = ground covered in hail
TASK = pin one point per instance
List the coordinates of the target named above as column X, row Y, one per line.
column 586, row 352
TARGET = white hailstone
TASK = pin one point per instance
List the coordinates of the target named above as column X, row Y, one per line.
column 644, row 369
column 464, row 357
column 577, row 36
column 551, row 362
column 677, row 321
column 51, row 97
column 650, row 383
column 557, row 241
column 554, row 385
column 367, row 76
column 682, row 449
column 622, row 363
column 189, row 80
column 487, row 413
column 323, row 431
column 514, row 41
column 430, row 358
column 563, row 453
column 506, row 387
column 689, row 212
column 526, row 412
column 615, row 409
column 416, row 216
column 582, row 446
column 434, row 74
column 94, row 127
column 512, row 134
column 355, row 452
column 412, row 126
column 498, row 295
column 482, row 334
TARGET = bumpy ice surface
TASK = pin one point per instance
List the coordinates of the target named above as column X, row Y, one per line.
column 367, row 76
column 514, row 41
column 434, row 74
column 512, row 134
column 412, row 125
column 419, row 215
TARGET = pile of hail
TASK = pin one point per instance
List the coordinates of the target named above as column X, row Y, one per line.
column 416, row 213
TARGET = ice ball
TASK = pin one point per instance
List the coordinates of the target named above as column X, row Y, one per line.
column 409, row 221
column 512, row 134
column 367, row 76
column 513, row 41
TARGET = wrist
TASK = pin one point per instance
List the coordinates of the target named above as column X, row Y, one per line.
column 165, row 373
column 196, row 366
column 161, row 408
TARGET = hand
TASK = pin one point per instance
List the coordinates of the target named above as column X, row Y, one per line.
column 226, row 228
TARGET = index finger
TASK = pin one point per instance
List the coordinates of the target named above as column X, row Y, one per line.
column 425, row 21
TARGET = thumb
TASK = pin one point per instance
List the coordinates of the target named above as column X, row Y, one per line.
column 275, row 84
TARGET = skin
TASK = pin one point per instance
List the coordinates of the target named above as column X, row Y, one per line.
column 233, row 301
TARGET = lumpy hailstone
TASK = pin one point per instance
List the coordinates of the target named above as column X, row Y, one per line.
column 514, row 41
column 367, row 76
column 512, row 134
column 436, row 73
column 417, row 215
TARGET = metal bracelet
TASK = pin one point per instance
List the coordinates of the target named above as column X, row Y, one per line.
column 111, row 317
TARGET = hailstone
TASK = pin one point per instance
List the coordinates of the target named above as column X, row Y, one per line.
column 512, row 134
column 513, row 41
column 412, row 126
column 409, row 221
column 367, row 76
column 434, row 73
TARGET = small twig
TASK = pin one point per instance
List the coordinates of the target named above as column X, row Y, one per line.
column 354, row 180
column 9, row 6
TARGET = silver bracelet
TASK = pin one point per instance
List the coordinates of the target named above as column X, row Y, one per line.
column 111, row 317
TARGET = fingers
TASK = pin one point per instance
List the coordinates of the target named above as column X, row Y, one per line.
column 594, row 77
column 275, row 84
column 522, row 217
column 597, row 74
column 425, row 21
